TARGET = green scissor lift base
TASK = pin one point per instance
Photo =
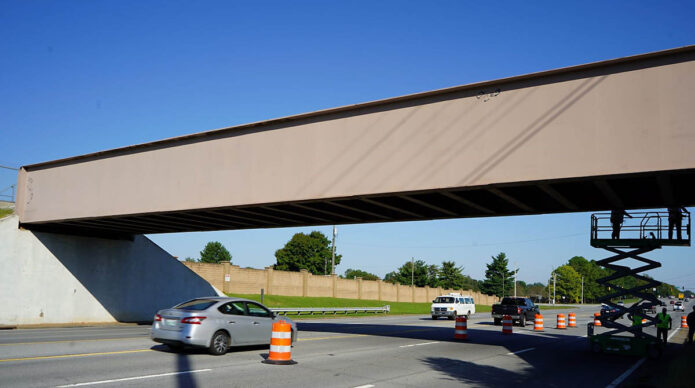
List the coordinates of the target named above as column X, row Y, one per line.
column 624, row 345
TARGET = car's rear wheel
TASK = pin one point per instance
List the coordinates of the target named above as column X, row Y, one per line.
column 497, row 321
column 522, row 320
column 219, row 343
column 468, row 316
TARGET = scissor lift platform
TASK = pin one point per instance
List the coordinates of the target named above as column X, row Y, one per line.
column 642, row 233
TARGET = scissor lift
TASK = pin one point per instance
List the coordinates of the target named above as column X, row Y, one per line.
column 643, row 233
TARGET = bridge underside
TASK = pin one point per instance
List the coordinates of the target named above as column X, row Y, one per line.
column 612, row 134
column 635, row 191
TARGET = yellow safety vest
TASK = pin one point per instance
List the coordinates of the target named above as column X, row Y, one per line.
column 663, row 320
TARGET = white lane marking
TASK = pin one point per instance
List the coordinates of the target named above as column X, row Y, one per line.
column 366, row 386
column 672, row 334
column 627, row 373
column 420, row 344
column 521, row 351
column 135, row 378
column 639, row 362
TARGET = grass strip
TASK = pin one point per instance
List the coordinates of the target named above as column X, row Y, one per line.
column 6, row 212
column 397, row 308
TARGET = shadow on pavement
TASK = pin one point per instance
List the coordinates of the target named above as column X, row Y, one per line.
column 475, row 374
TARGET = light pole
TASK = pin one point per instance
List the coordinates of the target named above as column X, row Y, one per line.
column 335, row 231
column 412, row 271
column 582, row 289
column 515, row 272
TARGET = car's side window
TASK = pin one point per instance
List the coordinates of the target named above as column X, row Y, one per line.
column 233, row 308
column 257, row 310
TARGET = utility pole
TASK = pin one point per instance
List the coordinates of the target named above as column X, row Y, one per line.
column 412, row 271
column 335, row 231
column 554, row 278
column 582, row 289
column 515, row 272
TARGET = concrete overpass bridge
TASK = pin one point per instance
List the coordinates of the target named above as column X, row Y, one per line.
column 611, row 134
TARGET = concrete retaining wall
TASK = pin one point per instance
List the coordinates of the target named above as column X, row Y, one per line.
column 235, row 280
column 51, row 279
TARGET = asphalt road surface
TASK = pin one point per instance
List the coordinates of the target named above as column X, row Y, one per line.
column 390, row 351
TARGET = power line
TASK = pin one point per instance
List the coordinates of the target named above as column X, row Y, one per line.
column 466, row 245
column 9, row 168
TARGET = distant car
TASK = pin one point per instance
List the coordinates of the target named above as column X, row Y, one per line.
column 687, row 300
column 678, row 306
column 606, row 309
column 673, row 301
column 216, row 323
column 621, row 303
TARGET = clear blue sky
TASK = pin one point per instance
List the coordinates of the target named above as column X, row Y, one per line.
column 82, row 76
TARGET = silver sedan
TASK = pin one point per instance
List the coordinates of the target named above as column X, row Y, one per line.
column 216, row 323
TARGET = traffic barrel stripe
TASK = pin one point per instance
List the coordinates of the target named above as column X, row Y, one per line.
column 280, row 344
column 507, row 324
column 572, row 320
column 538, row 323
column 561, row 321
column 461, row 328
column 597, row 321
column 684, row 322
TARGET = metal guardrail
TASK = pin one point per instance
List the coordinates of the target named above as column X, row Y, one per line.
column 334, row 310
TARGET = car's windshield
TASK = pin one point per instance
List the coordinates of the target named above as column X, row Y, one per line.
column 196, row 304
column 444, row 299
column 513, row 301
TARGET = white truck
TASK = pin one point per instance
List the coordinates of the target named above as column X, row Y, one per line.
column 452, row 305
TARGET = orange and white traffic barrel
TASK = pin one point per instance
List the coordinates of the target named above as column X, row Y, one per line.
column 280, row 344
column 684, row 322
column 461, row 328
column 572, row 320
column 538, row 323
column 507, row 324
column 597, row 321
column 561, row 321
column 644, row 320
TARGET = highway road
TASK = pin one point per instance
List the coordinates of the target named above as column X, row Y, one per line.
column 390, row 351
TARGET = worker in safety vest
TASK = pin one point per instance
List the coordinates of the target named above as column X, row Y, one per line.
column 636, row 320
column 663, row 324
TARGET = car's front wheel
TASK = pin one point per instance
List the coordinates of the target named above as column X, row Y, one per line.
column 219, row 343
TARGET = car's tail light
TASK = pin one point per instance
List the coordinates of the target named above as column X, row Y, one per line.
column 518, row 310
column 157, row 318
column 193, row 320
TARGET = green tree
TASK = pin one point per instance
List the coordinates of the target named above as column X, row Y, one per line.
column 498, row 277
column 536, row 290
column 358, row 273
column 306, row 251
column 190, row 260
column 215, row 252
column 568, row 283
column 450, row 276
column 591, row 272
column 470, row 284
column 423, row 274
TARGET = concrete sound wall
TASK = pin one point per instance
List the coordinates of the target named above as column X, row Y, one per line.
column 235, row 280
column 53, row 279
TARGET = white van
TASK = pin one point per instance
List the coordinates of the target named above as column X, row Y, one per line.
column 452, row 305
